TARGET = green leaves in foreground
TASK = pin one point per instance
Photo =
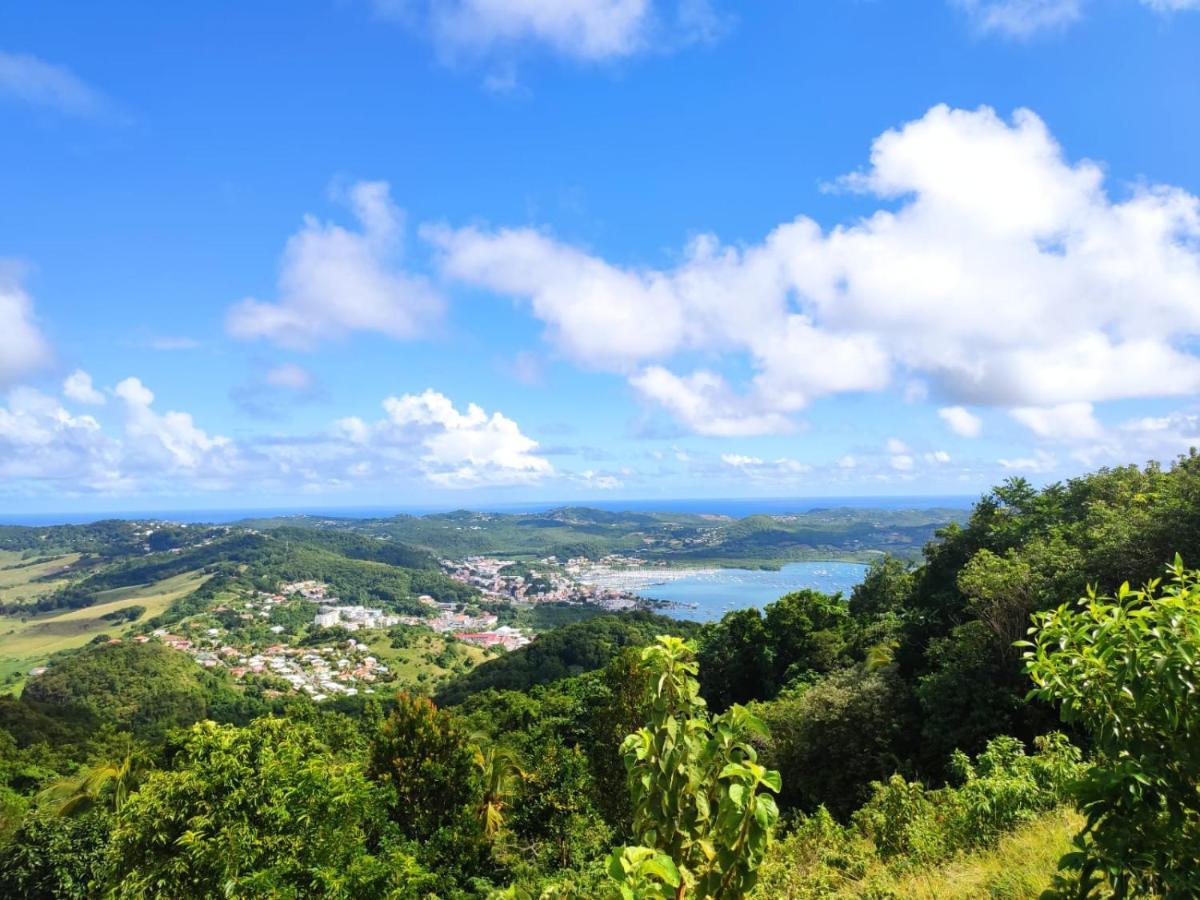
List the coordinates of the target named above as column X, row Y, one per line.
column 1124, row 668
column 701, row 811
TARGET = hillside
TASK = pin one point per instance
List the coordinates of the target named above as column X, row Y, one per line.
column 851, row 534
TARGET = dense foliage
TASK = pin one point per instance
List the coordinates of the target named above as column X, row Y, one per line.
column 894, row 730
column 1124, row 667
column 570, row 650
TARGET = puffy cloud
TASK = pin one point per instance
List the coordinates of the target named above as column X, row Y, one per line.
column 961, row 421
column 334, row 281
column 738, row 461
column 170, row 441
column 583, row 29
column 452, row 448
column 41, row 442
column 1065, row 422
column 78, row 387
column 422, row 436
column 704, row 403
column 22, row 347
column 1001, row 274
column 28, row 79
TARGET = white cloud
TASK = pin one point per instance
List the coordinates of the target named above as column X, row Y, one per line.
column 600, row 480
column 589, row 30
column 41, row 442
column 704, row 403
column 775, row 470
column 170, row 441
column 22, row 347
column 1065, row 422
column 452, row 449
column 1040, row 462
column 289, row 376
column 29, row 80
column 1000, row 273
column 940, row 457
column 43, row 445
column 961, row 421
column 895, row 445
column 78, row 387
column 1024, row 18
column 334, row 281
column 847, row 462
column 738, row 461
column 1021, row 18
column 902, row 462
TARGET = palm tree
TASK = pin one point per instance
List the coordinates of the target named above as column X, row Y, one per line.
column 107, row 782
column 500, row 772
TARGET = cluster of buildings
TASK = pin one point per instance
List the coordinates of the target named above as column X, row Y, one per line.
column 505, row 636
column 553, row 583
column 320, row 672
column 353, row 618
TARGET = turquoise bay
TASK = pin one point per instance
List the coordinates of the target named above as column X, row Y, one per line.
column 710, row 594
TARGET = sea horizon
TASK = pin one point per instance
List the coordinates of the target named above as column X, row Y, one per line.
column 733, row 507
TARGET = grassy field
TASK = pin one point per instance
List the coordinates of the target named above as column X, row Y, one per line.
column 18, row 577
column 1020, row 867
column 26, row 642
column 418, row 665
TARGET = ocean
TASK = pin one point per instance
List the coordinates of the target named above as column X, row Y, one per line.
column 733, row 507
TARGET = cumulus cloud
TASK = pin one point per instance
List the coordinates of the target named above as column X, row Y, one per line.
column 29, row 80
column 144, row 449
column 590, row 30
column 1065, row 422
column 961, row 421
column 22, row 347
column 170, row 441
column 334, row 281
column 704, row 403
column 78, row 387
column 450, row 448
column 42, row 442
column 1023, row 18
column 1000, row 274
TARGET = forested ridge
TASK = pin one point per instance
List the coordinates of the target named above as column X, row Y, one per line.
column 115, row 555
column 822, row 746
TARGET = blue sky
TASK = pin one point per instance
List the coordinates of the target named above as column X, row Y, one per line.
column 468, row 251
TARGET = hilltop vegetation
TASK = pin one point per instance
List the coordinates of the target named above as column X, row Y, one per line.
column 880, row 745
column 851, row 534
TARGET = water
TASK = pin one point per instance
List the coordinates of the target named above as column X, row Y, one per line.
column 733, row 507
column 719, row 592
